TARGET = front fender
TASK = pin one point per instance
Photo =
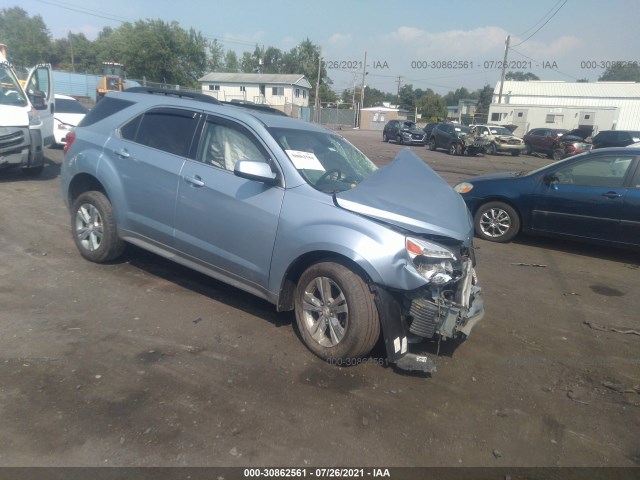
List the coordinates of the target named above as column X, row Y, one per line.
column 310, row 222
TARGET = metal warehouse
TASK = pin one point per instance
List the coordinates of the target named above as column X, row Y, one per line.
column 558, row 104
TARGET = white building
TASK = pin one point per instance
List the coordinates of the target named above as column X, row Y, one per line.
column 275, row 90
column 557, row 104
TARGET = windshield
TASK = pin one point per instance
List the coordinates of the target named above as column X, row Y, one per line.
column 408, row 125
column 326, row 161
column 10, row 91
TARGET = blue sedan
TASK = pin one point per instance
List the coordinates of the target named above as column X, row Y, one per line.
column 594, row 196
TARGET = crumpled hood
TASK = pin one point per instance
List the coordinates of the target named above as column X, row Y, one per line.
column 409, row 194
column 508, row 137
column 14, row 116
column 413, row 131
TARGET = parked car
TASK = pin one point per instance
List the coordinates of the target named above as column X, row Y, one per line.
column 68, row 113
column 283, row 209
column 615, row 138
column 499, row 139
column 571, row 143
column 541, row 140
column 449, row 136
column 403, row 132
column 428, row 128
column 594, row 196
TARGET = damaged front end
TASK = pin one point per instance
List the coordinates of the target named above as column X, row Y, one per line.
column 448, row 306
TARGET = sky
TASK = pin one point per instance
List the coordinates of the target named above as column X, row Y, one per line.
column 442, row 45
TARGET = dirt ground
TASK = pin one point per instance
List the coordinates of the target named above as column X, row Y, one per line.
column 142, row 362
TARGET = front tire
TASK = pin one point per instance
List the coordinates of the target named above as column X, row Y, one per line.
column 399, row 140
column 335, row 312
column 496, row 222
column 455, row 149
column 557, row 155
column 94, row 229
column 432, row 144
column 491, row 149
column 527, row 149
column 384, row 137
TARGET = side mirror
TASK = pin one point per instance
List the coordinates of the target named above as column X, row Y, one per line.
column 258, row 171
column 37, row 99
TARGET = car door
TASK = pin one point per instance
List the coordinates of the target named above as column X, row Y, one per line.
column 40, row 83
column 630, row 218
column 225, row 222
column 149, row 153
column 582, row 198
column 443, row 135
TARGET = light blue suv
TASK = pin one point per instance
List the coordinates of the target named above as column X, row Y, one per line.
column 281, row 208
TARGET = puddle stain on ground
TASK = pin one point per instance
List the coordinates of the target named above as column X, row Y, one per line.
column 606, row 291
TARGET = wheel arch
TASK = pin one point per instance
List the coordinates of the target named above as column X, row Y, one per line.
column 84, row 182
column 300, row 264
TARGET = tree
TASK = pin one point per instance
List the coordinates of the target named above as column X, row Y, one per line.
column 28, row 38
column 407, row 98
column 621, row 72
column 157, row 50
column 84, row 54
column 432, row 107
column 485, row 97
column 216, row 57
column 521, row 76
column 231, row 63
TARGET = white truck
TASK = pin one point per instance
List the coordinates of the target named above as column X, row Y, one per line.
column 26, row 116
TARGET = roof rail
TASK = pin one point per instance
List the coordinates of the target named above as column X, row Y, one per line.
column 201, row 97
column 255, row 106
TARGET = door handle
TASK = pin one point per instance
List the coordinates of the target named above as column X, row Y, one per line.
column 195, row 181
column 124, row 153
column 612, row 195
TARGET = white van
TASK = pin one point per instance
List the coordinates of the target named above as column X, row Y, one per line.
column 26, row 117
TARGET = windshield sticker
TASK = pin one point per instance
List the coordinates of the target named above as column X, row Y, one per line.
column 304, row 160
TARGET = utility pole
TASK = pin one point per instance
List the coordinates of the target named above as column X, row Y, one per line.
column 504, row 66
column 73, row 65
column 316, row 110
column 399, row 81
column 364, row 73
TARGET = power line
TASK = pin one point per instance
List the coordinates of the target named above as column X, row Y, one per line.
column 540, row 28
column 535, row 24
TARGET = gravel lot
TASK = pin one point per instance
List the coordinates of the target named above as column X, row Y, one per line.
column 142, row 362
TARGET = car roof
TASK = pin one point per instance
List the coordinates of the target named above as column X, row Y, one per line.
column 176, row 98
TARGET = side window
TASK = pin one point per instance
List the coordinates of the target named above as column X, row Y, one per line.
column 168, row 129
column 130, row 129
column 635, row 182
column 39, row 82
column 223, row 144
column 596, row 172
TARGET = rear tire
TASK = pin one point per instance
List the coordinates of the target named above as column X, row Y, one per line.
column 93, row 225
column 33, row 171
column 335, row 312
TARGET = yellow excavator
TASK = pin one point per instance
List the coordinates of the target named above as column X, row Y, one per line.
column 112, row 79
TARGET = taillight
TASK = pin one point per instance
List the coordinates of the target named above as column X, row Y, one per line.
column 69, row 137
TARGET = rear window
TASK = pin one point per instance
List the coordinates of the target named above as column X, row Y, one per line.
column 64, row 105
column 103, row 109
